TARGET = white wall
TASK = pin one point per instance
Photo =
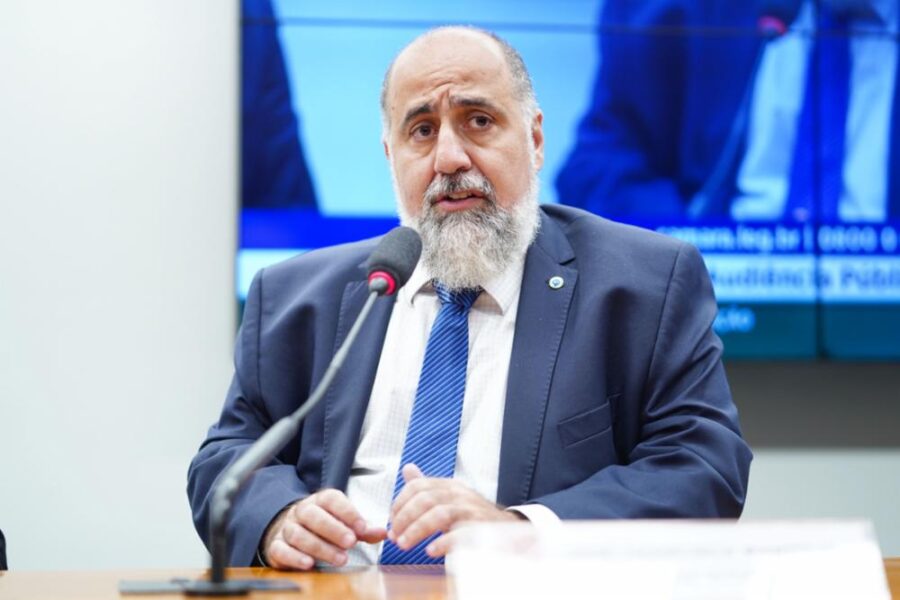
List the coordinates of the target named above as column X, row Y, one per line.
column 826, row 441
column 829, row 483
column 117, row 232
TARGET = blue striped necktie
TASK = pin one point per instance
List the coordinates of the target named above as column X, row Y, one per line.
column 434, row 425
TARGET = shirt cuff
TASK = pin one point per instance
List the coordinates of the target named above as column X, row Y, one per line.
column 539, row 515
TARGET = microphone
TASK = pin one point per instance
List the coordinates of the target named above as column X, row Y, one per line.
column 394, row 260
column 775, row 16
column 389, row 268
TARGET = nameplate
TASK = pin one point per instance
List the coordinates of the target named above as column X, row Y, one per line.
column 676, row 560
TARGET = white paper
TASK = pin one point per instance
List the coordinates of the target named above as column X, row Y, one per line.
column 676, row 560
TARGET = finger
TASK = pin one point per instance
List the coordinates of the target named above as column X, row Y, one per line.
column 417, row 505
column 438, row 518
column 442, row 545
column 373, row 535
column 309, row 543
column 323, row 524
column 411, row 471
column 281, row 555
column 337, row 504
column 415, row 483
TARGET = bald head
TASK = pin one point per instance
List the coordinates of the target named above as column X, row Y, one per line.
column 462, row 39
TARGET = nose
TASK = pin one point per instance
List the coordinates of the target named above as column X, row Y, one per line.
column 450, row 153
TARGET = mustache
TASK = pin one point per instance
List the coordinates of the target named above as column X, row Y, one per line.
column 444, row 185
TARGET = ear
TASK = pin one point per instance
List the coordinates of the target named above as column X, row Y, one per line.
column 387, row 150
column 537, row 136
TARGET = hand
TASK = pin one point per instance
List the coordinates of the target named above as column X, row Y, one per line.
column 427, row 505
column 321, row 527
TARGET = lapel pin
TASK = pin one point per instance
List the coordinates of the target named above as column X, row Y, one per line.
column 556, row 282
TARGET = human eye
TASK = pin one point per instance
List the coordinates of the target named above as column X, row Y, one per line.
column 422, row 131
column 480, row 121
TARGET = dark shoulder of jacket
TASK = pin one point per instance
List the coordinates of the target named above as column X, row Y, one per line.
column 317, row 276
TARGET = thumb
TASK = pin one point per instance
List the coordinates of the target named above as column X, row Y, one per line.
column 411, row 471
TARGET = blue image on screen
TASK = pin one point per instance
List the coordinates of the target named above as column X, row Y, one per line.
column 760, row 132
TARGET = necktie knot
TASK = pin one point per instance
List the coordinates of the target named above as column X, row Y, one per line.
column 462, row 299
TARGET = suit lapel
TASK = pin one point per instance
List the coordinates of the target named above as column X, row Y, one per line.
column 348, row 397
column 540, row 322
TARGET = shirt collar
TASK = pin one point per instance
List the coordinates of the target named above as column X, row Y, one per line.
column 501, row 291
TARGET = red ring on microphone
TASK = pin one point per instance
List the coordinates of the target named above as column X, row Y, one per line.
column 384, row 275
column 772, row 25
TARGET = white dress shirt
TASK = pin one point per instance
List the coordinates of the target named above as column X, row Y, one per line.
column 764, row 174
column 492, row 321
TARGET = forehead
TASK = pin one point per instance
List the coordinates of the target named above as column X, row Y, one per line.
column 448, row 62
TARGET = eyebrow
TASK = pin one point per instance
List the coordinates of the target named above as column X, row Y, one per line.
column 422, row 109
column 455, row 101
column 474, row 102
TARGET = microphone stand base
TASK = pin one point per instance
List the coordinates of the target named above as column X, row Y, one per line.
column 205, row 587
column 237, row 587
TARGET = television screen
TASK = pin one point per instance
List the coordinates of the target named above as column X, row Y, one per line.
column 762, row 132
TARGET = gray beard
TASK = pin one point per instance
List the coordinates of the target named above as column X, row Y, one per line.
column 466, row 249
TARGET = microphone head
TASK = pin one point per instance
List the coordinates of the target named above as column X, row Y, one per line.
column 393, row 260
column 775, row 16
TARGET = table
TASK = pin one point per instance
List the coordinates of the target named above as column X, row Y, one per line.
column 892, row 567
column 403, row 583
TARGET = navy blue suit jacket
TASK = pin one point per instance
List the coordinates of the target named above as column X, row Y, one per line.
column 617, row 404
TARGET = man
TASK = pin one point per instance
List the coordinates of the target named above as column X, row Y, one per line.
column 815, row 139
column 593, row 386
column 662, row 107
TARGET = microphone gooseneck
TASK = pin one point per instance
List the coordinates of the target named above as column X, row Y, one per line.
column 389, row 268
